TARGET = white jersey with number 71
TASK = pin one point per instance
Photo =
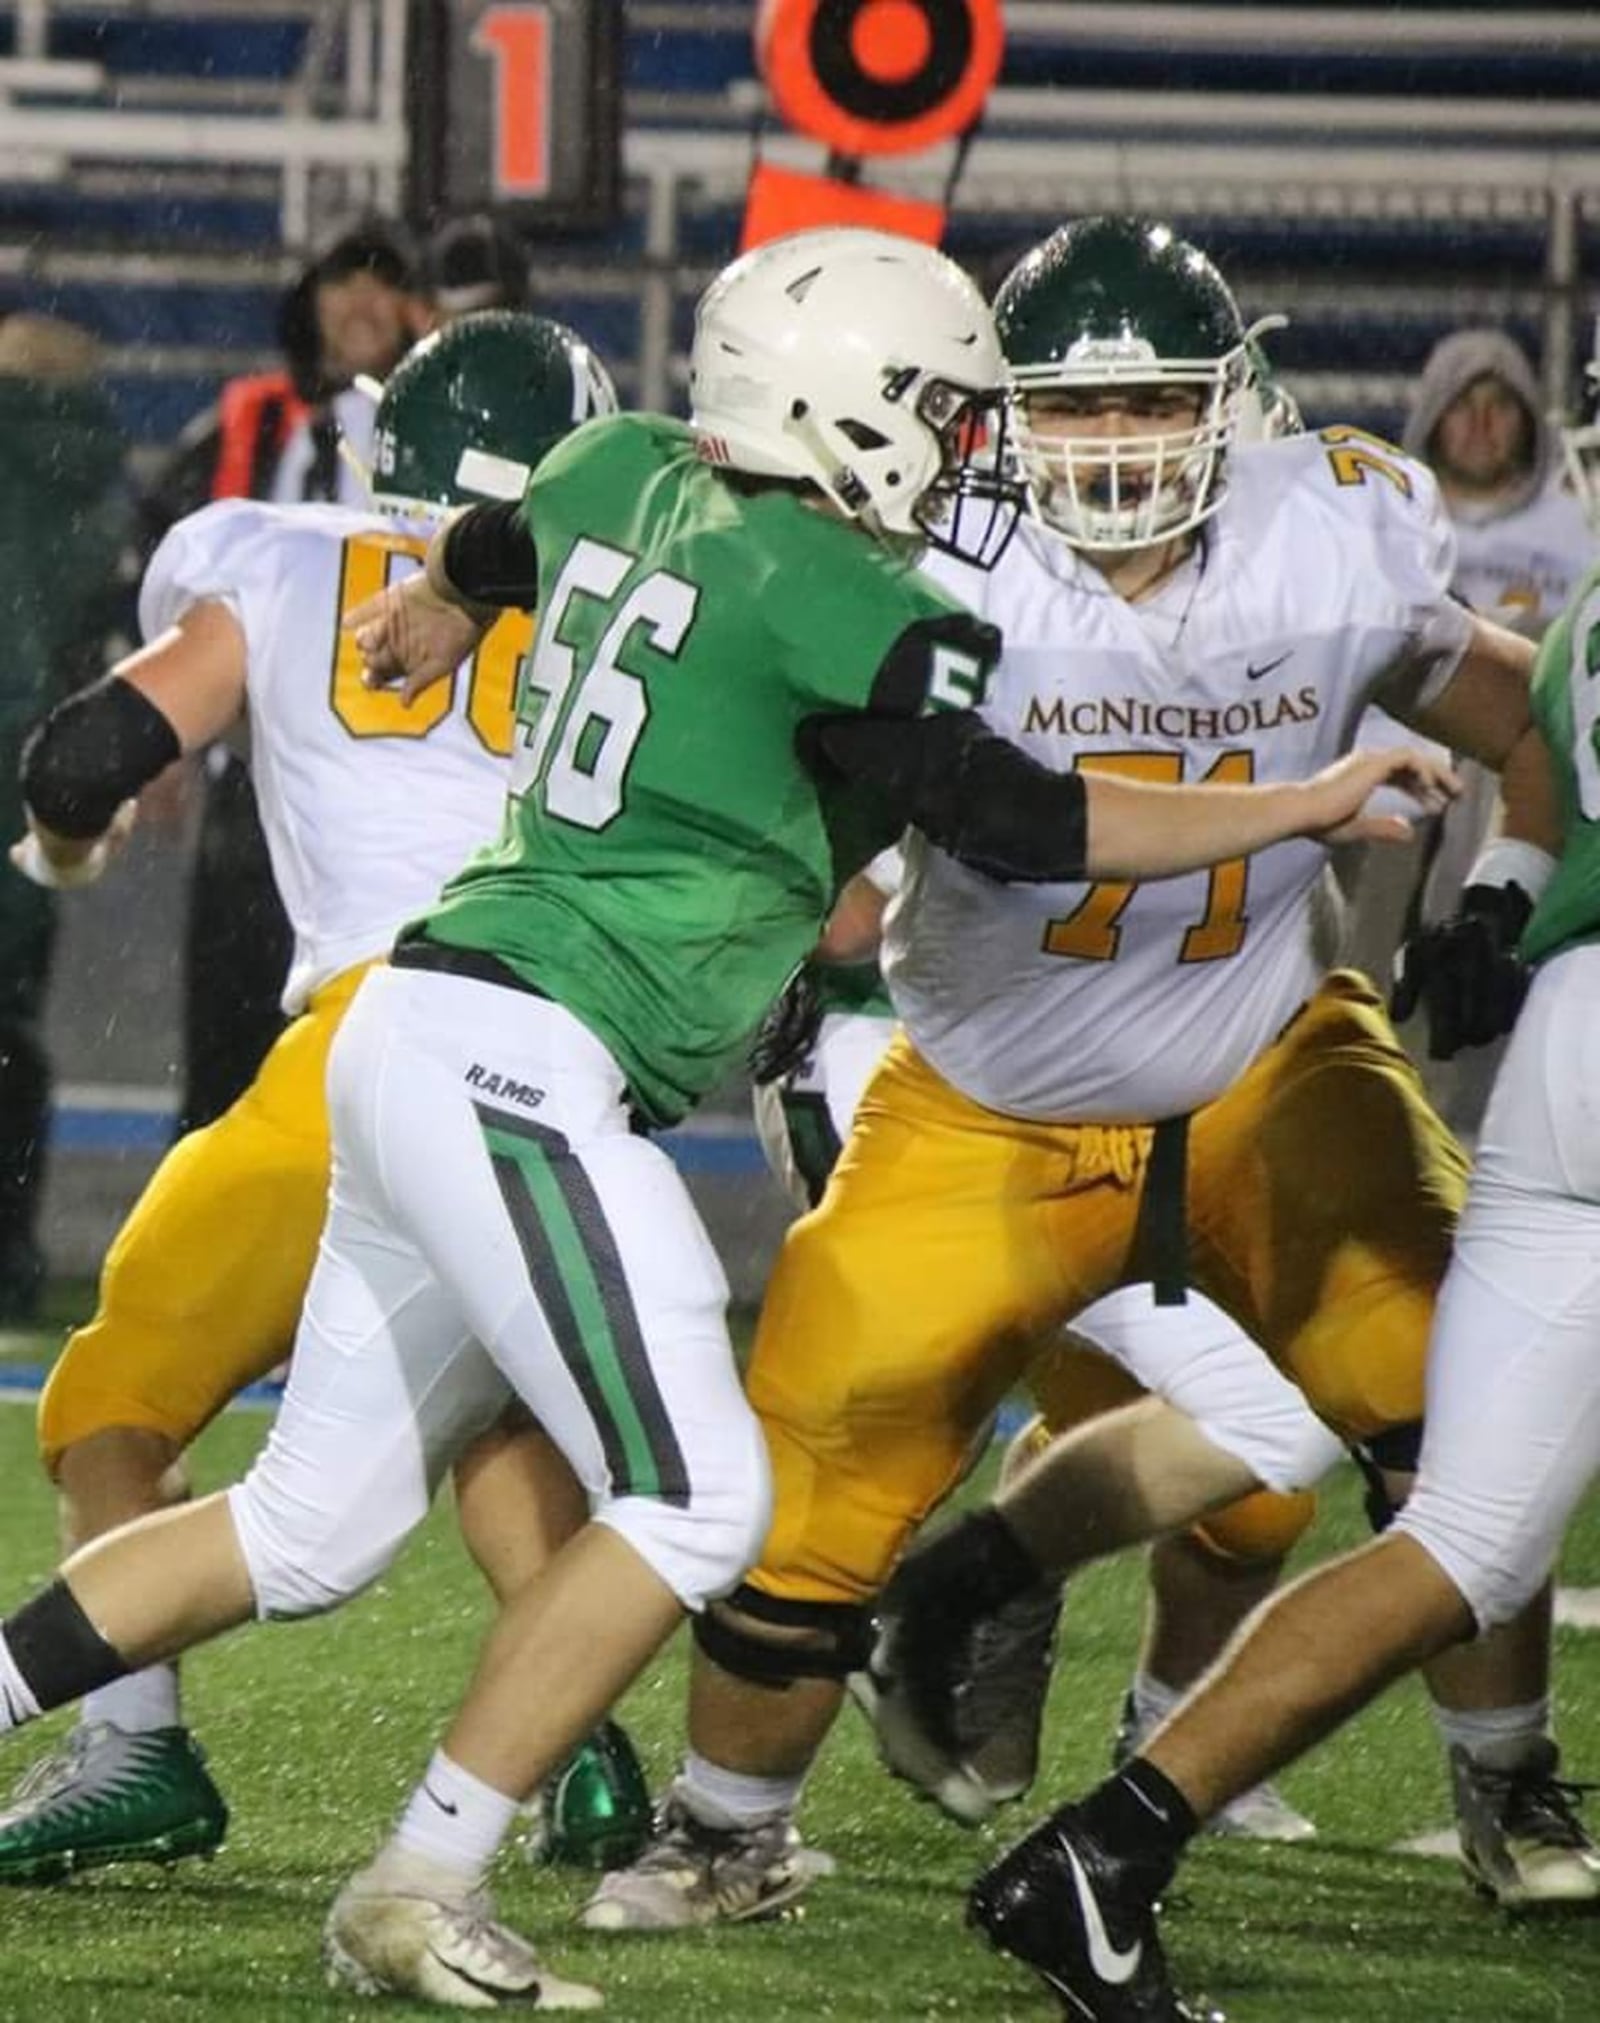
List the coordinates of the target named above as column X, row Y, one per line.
column 1320, row 586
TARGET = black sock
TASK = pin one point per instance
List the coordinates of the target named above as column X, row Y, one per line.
column 1141, row 1816
column 58, row 1651
column 981, row 1563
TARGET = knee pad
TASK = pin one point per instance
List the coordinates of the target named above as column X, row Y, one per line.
column 769, row 1641
column 1258, row 1528
column 1394, row 1451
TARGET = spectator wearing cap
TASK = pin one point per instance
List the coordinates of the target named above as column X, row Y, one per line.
column 476, row 262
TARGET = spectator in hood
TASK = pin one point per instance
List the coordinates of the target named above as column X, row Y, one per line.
column 1523, row 545
column 353, row 315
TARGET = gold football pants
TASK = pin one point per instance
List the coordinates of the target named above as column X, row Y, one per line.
column 200, row 1293
column 953, row 1241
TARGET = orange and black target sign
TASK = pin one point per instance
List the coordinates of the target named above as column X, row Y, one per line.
column 877, row 77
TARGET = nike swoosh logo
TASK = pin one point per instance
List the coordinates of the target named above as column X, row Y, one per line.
column 1115, row 1967
column 451, row 1810
column 1259, row 673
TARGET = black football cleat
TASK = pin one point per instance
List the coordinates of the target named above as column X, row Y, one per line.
column 957, row 1683
column 1085, row 1922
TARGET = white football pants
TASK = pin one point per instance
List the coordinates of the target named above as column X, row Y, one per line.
column 1512, row 1426
column 496, row 1226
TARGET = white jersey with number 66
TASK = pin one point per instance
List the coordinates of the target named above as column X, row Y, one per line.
column 368, row 806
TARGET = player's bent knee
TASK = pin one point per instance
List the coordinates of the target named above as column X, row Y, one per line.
column 299, row 1569
column 770, row 1641
column 1285, row 1447
column 1259, row 1528
column 1494, row 1579
column 705, row 1543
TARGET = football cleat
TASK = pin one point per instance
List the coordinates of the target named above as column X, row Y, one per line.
column 1521, row 1840
column 957, row 1698
column 382, row 1938
column 694, row 1874
column 108, row 1796
column 594, row 1812
column 1261, row 1813
column 1084, row 1921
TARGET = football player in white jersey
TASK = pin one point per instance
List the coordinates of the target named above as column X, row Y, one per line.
column 242, row 606
column 811, row 1065
column 1093, row 1078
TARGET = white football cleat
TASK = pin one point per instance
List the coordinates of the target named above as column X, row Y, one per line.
column 694, row 1874
column 383, row 1938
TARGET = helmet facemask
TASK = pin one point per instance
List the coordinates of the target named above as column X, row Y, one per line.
column 1112, row 492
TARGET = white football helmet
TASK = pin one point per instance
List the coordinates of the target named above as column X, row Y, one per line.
column 1580, row 445
column 868, row 366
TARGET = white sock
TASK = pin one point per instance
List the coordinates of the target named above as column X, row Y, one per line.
column 138, row 1704
column 17, row 1703
column 719, row 1797
column 1500, row 1736
column 455, row 1820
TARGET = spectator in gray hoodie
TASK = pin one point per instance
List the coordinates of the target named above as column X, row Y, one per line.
column 1478, row 423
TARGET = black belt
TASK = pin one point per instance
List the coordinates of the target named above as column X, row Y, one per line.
column 1161, row 1233
column 418, row 952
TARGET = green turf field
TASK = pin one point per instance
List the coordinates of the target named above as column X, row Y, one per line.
column 316, row 1730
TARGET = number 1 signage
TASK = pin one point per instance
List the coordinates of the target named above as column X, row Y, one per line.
column 515, row 107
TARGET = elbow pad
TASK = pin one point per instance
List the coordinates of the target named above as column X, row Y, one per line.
column 489, row 557
column 93, row 752
column 966, row 788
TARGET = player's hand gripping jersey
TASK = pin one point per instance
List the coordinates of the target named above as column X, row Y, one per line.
column 1321, row 585
column 367, row 806
column 689, row 639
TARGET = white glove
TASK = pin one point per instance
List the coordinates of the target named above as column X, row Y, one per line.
column 40, row 868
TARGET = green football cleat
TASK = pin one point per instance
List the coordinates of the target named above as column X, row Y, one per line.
column 106, row 1796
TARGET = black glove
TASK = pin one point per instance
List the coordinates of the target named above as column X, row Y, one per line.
column 789, row 1031
column 1465, row 971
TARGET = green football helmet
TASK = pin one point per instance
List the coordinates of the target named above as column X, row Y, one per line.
column 470, row 411
column 1108, row 303
column 1269, row 409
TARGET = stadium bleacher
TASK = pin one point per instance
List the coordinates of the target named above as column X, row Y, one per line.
column 1372, row 246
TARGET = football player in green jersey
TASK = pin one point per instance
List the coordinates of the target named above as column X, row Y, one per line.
column 1512, row 1441
column 741, row 691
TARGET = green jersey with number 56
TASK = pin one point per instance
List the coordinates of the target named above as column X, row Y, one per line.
column 1566, row 704
column 666, row 858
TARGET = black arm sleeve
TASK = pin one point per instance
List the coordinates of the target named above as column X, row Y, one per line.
column 490, row 558
column 92, row 753
column 967, row 789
